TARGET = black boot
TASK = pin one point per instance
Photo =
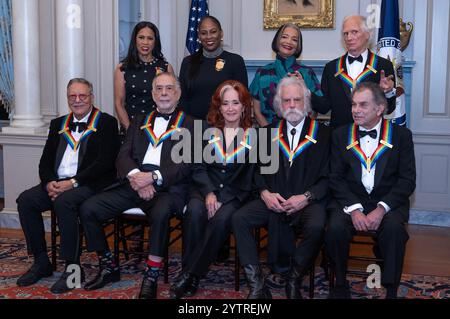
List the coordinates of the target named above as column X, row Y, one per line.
column 294, row 282
column 186, row 286
column 149, row 288
column 61, row 285
column 108, row 272
column 255, row 279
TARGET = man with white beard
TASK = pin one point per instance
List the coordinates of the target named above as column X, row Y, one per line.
column 294, row 198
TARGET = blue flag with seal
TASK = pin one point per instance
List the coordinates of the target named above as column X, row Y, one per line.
column 389, row 47
column 199, row 9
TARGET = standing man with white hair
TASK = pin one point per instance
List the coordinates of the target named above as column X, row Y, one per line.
column 359, row 64
column 294, row 196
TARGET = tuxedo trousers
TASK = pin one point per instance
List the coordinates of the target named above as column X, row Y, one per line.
column 391, row 238
column 112, row 203
column 30, row 205
column 204, row 238
column 255, row 214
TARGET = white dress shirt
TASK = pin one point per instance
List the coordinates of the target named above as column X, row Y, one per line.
column 298, row 132
column 368, row 146
column 356, row 68
column 153, row 155
column 69, row 163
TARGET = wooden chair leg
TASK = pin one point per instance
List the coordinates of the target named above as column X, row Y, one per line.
column 116, row 240
column 166, row 258
column 312, row 274
column 121, row 229
column 53, row 238
column 237, row 268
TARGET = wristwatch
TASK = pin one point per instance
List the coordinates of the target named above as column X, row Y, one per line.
column 74, row 182
column 309, row 196
column 155, row 179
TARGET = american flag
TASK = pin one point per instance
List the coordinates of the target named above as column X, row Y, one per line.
column 199, row 9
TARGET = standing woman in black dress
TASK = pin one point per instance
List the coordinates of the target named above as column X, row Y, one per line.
column 202, row 72
column 221, row 185
column 134, row 75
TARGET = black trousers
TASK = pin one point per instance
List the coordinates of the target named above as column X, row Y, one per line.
column 32, row 202
column 112, row 203
column 391, row 238
column 256, row 214
column 205, row 237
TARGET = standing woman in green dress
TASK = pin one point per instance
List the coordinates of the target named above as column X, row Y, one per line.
column 288, row 46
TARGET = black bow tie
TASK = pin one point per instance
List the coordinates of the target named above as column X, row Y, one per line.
column 352, row 59
column 82, row 126
column 165, row 116
column 371, row 133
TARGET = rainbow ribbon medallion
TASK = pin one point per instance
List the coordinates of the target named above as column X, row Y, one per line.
column 310, row 138
column 347, row 79
column 229, row 158
column 156, row 141
column 91, row 128
column 384, row 144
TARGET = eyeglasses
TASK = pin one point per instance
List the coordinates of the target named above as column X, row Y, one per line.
column 169, row 89
column 82, row 97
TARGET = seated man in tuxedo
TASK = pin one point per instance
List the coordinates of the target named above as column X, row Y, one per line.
column 150, row 179
column 358, row 65
column 77, row 162
column 372, row 176
column 294, row 196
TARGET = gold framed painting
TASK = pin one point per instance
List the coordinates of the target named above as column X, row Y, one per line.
column 309, row 14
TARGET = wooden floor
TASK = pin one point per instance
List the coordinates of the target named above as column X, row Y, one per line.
column 427, row 251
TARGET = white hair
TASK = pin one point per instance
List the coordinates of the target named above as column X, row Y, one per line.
column 362, row 24
column 287, row 81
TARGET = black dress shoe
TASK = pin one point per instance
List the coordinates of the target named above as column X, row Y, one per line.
column 149, row 288
column 186, row 286
column 34, row 274
column 103, row 277
column 60, row 286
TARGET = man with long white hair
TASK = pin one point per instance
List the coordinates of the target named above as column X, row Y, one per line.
column 293, row 198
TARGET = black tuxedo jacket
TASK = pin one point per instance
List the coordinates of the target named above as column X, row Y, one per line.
column 175, row 176
column 309, row 171
column 337, row 94
column 395, row 173
column 96, row 156
column 228, row 182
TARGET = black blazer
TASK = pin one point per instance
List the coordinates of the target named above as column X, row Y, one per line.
column 228, row 182
column 309, row 171
column 395, row 173
column 337, row 95
column 96, row 157
column 132, row 153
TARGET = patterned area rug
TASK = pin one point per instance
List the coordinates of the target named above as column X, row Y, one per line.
column 218, row 284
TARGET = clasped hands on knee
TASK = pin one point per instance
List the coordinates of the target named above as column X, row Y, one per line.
column 276, row 202
column 142, row 183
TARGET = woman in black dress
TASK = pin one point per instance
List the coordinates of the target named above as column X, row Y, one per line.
column 134, row 75
column 202, row 72
column 221, row 186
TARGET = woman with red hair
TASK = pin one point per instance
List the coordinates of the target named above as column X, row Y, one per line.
column 222, row 183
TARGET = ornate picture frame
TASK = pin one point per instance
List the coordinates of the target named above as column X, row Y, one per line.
column 308, row 14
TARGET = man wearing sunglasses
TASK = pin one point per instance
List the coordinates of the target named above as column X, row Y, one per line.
column 77, row 162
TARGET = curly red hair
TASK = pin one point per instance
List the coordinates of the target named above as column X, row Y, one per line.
column 215, row 118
